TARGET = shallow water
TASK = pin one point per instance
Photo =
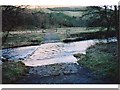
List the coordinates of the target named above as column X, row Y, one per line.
column 19, row 53
column 50, row 53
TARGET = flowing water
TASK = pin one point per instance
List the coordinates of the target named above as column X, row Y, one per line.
column 19, row 53
column 49, row 53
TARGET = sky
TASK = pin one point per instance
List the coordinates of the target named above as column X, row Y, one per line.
column 54, row 3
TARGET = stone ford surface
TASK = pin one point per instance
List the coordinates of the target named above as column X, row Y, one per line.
column 52, row 53
column 54, row 69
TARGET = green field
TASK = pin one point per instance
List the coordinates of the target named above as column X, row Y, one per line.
column 70, row 11
column 35, row 37
column 66, row 32
column 23, row 39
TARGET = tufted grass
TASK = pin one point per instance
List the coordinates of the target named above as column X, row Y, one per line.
column 12, row 71
column 101, row 59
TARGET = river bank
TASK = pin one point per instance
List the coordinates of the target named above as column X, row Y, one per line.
column 13, row 71
column 20, row 39
column 98, row 59
column 32, row 75
column 90, row 35
column 102, row 60
column 37, row 37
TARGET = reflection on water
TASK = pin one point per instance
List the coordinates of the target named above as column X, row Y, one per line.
column 50, row 53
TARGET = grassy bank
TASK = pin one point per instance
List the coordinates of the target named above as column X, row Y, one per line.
column 12, row 71
column 102, row 59
column 23, row 39
column 36, row 36
column 90, row 35
column 28, row 37
column 67, row 33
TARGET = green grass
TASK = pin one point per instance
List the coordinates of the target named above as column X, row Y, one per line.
column 35, row 36
column 65, row 33
column 12, row 71
column 23, row 39
column 19, row 38
column 72, row 13
column 101, row 59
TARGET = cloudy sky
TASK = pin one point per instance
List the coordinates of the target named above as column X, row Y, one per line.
column 51, row 3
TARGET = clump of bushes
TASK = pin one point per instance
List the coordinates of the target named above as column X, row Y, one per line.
column 12, row 71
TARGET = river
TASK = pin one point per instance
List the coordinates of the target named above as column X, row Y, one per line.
column 50, row 53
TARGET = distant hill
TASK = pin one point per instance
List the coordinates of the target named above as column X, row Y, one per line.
column 73, row 9
column 70, row 11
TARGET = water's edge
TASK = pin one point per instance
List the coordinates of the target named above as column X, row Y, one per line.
column 50, row 53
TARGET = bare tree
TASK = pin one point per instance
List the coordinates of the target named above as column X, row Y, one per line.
column 9, row 19
column 102, row 16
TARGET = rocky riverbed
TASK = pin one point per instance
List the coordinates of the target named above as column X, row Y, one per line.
column 77, row 74
column 54, row 69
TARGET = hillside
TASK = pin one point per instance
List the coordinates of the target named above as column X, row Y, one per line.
column 70, row 11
